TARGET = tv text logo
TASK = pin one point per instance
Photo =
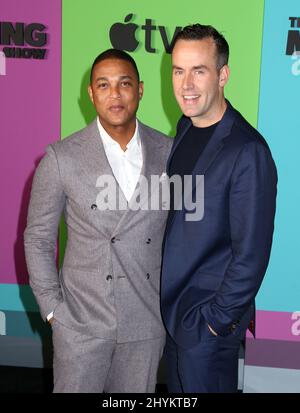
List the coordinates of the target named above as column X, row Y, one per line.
column 123, row 35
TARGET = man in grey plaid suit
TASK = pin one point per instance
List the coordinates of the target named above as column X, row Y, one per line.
column 104, row 303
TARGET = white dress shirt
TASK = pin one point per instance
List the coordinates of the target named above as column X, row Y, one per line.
column 126, row 166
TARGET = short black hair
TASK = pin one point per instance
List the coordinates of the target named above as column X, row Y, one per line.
column 199, row 32
column 115, row 54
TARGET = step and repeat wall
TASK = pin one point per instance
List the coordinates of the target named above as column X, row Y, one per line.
column 46, row 51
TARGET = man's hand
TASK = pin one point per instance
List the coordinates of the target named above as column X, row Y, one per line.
column 211, row 330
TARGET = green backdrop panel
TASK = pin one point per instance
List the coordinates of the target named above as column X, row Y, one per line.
column 87, row 30
column 84, row 38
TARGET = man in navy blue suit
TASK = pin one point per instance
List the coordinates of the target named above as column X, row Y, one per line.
column 213, row 267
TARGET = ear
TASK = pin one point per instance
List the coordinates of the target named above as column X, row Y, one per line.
column 141, row 89
column 224, row 75
column 90, row 92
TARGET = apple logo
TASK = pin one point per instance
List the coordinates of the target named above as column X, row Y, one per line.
column 122, row 35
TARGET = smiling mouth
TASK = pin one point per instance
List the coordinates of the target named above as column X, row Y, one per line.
column 190, row 98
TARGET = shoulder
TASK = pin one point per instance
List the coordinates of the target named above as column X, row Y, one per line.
column 159, row 137
column 244, row 143
column 246, row 133
column 253, row 149
column 76, row 138
column 72, row 142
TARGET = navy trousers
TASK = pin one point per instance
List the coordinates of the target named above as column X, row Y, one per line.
column 209, row 367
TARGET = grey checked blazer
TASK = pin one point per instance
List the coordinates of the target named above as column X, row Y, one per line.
column 108, row 286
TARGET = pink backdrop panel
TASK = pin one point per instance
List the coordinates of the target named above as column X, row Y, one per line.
column 29, row 120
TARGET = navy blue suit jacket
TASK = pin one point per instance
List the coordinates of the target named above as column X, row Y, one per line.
column 212, row 268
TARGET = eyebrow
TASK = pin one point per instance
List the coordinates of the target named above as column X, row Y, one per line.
column 193, row 68
column 120, row 78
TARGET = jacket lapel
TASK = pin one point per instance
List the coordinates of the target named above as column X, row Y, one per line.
column 216, row 142
column 211, row 150
column 93, row 159
column 186, row 124
column 94, row 164
column 150, row 149
column 151, row 166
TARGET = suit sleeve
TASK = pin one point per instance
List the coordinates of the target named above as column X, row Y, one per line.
column 252, row 210
column 46, row 205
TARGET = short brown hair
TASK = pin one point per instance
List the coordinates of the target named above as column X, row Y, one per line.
column 199, row 32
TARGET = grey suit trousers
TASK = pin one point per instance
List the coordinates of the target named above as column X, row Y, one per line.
column 86, row 364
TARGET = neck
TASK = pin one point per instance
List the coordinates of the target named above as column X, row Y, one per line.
column 121, row 133
column 211, row 118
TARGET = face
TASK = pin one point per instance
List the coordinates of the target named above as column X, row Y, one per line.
column 197, row 83
column 115, row 93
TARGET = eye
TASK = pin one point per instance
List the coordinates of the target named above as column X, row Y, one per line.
column 199, row 72
column 125, row 83
column 178, row 72
column 102, row 85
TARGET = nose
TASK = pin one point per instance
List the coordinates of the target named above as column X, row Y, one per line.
column 115, row 92
column 187, row 81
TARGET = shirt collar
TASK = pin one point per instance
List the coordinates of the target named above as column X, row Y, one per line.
column 108, row 141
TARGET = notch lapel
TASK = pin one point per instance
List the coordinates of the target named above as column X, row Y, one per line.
column 212, row 149
column 94, row 163
column 216, row 142
column 151, row 166
column 92, row 156
column 185, row 127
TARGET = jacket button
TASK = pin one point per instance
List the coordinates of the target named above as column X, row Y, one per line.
column 235, row 325
column 148, row 241
column 109, row 277
column 93, row 207
column 147, row 276
column 113, row 240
